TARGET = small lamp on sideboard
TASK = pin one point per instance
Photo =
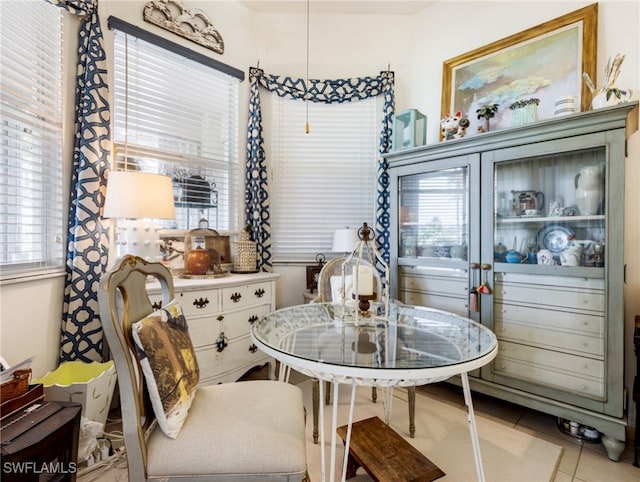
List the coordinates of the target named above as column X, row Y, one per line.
column 137, row 198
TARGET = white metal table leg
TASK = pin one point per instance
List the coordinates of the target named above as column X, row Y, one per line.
column 472, row 427
column 348, row 438
column 323, row 462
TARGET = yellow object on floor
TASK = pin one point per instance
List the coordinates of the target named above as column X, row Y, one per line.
column 90, row 384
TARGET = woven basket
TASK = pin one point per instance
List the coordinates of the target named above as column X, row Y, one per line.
column 16, row 387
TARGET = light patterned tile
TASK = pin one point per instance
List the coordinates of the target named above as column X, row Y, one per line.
column 562, row 477
column 594, row 466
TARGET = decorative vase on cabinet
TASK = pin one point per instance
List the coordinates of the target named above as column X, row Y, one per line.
column 589, row 189
column 560, row 323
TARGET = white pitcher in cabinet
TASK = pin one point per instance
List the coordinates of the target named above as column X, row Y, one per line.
column 589, row 189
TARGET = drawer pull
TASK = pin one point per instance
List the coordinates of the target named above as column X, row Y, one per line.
column 252, row 319
column 156, row 305
column 222, row 342
column 235, row 297
column 220, row 317
column 200, row 302
column 253, row 348
column 259, row 293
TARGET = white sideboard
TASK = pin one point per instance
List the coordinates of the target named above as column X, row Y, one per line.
column 220, row 313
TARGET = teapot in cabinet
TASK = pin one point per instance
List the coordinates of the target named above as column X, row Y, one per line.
column 525, row 202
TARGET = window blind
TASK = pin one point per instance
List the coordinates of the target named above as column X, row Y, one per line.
column 32, row 215
column 188, row 133
column 324, row 180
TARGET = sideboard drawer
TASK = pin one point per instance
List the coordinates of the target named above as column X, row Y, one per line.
column 239, row 323
column 198, row 302
column 236, row 297
column 239, row 352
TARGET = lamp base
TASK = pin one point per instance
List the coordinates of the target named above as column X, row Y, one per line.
column 138, row 237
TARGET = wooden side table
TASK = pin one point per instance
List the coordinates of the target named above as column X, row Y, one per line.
column 41, row 443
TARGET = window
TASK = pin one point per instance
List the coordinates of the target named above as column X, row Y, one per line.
column 189, row 134
column 324, row 180
column 32, row 213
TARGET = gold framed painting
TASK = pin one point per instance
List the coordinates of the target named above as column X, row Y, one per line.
column 544, row 62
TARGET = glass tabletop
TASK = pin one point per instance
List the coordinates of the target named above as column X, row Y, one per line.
column 413, row 338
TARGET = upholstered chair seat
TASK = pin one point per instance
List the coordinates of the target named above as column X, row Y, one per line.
column 237, row 442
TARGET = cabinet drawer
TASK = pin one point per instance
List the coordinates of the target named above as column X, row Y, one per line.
column 434, row 284
column 551, row 280
column 581, row 375
column 240, row 296
column 556, row 296
column 198, row 302
column 237, row 353
column 446, row 303
column 546, row 338
column 551, row 319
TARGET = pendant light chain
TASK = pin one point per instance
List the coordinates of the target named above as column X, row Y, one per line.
column 306, row 128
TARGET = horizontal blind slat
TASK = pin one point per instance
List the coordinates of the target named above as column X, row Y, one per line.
column 164, row 128
column 324, row 180
column 32, row 218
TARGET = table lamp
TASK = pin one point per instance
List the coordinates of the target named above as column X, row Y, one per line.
column 344, row 240
column 137, row 198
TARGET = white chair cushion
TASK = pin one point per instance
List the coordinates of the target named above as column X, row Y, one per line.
column 336, row 287
column 235, row 429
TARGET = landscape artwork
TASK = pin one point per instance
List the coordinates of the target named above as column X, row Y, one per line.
column 546, row 67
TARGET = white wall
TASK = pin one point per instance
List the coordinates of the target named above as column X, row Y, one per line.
column 352, row 45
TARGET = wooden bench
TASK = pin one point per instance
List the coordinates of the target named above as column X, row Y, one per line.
column 385, row 455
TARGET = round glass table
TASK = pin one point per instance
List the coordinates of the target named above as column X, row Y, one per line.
column 392, row 346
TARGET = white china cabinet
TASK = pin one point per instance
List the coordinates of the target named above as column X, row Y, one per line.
column 522, row 230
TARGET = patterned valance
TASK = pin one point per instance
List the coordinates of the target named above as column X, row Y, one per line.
column 324, row 91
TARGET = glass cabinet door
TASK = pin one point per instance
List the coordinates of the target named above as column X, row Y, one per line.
column 434, row 214
column 550, row 210
column 436, row 233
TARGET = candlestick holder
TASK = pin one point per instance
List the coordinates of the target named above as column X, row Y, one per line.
column 363, row 261
column 364, row 303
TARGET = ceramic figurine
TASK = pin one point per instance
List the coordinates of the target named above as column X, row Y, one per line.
column 454, row 126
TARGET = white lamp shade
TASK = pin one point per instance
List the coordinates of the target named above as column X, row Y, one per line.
column 133, row 194
column 344, row 240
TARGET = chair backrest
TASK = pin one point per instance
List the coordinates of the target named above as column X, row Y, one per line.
column 333, row 269
column 123, row 300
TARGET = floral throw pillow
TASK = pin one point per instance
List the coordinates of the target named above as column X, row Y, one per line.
column 169, row 365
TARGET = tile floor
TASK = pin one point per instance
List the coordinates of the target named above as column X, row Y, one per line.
column 580, row 461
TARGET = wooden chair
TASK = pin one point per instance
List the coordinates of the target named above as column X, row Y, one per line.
column 243, row 431
column 327, row 279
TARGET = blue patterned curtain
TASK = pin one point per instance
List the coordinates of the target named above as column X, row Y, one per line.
column 325, row 91
column 87, row 246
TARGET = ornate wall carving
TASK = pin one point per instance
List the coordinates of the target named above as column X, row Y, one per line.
column 193, row 24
